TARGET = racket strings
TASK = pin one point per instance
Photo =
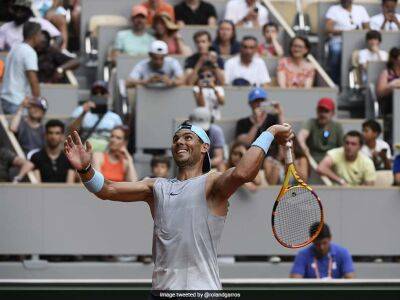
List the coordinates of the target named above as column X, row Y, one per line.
column 296, row 211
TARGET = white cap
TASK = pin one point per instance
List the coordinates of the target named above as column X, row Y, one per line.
column 201, row 117
column 159, row 47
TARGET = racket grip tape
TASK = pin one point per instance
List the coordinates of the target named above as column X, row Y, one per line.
column 289, row 157
column 264, row 141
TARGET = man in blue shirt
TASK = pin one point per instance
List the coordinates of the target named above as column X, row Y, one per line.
column 323, row 259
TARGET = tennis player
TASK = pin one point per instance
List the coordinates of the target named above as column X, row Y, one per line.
column 189, row 211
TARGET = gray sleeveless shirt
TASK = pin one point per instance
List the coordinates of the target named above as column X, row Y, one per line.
column 185, row 236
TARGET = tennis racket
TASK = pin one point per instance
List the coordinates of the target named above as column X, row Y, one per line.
column 296, row 209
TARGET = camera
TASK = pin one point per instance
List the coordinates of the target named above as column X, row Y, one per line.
column 101, row 103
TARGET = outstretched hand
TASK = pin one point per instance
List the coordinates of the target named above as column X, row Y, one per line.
column 283, row 133
column 78, row 155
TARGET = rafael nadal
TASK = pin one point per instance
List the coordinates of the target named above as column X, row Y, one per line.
column 189, row 211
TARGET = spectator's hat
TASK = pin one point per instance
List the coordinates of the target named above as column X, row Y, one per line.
column 159, row 47
column 166, row 18
column 203, row 137
column 139, row 10
column 201, row 117
column 99, row 86
column 326, row 103
column 257, row 94
column 40, row 102
column 24, row 3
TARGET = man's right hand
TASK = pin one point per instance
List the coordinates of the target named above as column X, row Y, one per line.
column 78, row 155
column 88, row 105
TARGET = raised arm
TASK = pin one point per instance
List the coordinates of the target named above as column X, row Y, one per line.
column 225, row 184
column 80, row 156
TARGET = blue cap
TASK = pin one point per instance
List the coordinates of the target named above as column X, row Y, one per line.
column 257, row 93
column 204, row 138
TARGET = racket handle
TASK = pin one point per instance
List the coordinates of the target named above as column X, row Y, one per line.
column 289, row 157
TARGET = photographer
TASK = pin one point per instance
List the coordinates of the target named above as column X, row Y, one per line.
column 93, row 118
column 207, row 93
column 246, row 13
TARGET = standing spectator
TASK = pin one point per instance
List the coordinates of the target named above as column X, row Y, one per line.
column 225, row 42
column 207, row 93
column 247, row 68
column 166, row 30
column 160, row 166
column 236, row 153
column 159, row 70
column 157, row 7
column 396, row 168
column 271, row 45
column 116, row 163
column 134, row 41
column 388, row 80
column 195, row 12
column 21, row 70
column 373, row 51
column 248, row 129
column 95, row 121
column 11, row 33
column 246, row 13
column 29, row 129
column 9, row 159
column 376, row 149
column 323, row 259
column 52, row 62
column 347, row 165
column 204, row 55
column 388, row 19
column 201, row 117
column 342, row 17
column 296, row 71
column 321, row 134
column 51, row 164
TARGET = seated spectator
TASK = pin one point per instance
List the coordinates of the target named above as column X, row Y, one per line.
column 166, row 30
column 225, row 42
column 323, row 259
column 201, row 117
column 52, row 62
column 157, row 7
column 388, row 19
column 321, row 134
column 93, row 119
column 396, row 168
column 9, row 159
column 247, row 68
column 246, row 13
column 11, row 33
column 160, row 166
column 347, row 165
column 373, row 51
column 275, row 167
column 134, row 41
column 51, row 164
column 262, row 117
column 1, row 70
column 115, row 163
column 236, row 153
column 207, row 93
column 205, row 54
column 376, row 149
column 20, row 76
column 195, row 12
column 342, row 17
column 29, row 129
column 271, row 46
column 296, row 71
column 159, row 70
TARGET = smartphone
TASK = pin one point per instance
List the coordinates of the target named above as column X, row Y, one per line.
column 255, row 9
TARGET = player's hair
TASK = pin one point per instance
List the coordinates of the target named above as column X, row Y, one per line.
column 355, row 133
column 55, row 123
column 324, row 233
column 30, row 29
column 158, row 159
column 373, row 125
column 373, row 35
column 306, row 42
column 201, row 33
column 270, row 24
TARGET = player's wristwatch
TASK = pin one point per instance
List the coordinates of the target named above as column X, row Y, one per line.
column 85, row 170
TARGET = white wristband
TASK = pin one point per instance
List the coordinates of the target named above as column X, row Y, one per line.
column 95, row 184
